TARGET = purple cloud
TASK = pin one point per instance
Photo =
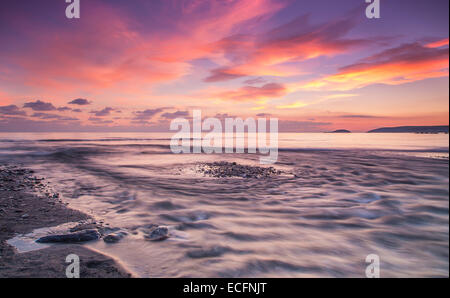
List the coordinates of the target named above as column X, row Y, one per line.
column 98, row 120
column 360, row 116
column 302, row 126
column 147, row 114
column 221, row 74
column 175, row 114
column 80, row 102
column 12, row 110
column 62, row 109
column 105, row 112
column 47, row 116
column 255, row 81
column 40, row 106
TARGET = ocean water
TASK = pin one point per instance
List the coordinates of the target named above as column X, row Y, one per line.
column 340, row 198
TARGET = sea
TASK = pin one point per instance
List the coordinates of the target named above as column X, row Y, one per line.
column 338, row 199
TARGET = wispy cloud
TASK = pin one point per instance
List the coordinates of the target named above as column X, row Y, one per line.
column 438, row 44
column 298, row 40
column 252, row 93
column 104, row 112
column 360, row 116
column 63, row 109
column 146, row 115
column 176, row 114
column 294, row 105
column 46, row 116
column 403, row 64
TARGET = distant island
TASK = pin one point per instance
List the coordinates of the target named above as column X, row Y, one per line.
column 412, row 129
column 340, row 131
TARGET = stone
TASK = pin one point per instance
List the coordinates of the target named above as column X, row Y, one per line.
column 114, row 237
column 158, row 234
column 216, row 251
column 83, row 236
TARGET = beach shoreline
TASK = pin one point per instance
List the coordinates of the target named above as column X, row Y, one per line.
column 316, row 213
column 26, row 205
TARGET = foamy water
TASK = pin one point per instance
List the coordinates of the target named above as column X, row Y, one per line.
column 342, row 197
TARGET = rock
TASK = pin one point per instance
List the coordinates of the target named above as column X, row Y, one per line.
column 82, row 236
column 215, row 251
column 25, row 216
column 158, row 234
column 114, row 237
column 83, row 227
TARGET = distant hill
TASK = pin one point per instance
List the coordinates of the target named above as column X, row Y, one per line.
column 413, row 129
column 340, row 131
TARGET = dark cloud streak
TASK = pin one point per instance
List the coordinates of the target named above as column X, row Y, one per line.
column 39, row 106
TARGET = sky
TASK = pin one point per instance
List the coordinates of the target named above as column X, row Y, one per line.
column 316, row 65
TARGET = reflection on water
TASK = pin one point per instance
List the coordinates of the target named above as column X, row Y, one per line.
column 322, row 219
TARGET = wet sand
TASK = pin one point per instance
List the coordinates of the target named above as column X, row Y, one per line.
column 24, row 207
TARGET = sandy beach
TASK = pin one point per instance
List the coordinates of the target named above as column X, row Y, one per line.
column 22, row 210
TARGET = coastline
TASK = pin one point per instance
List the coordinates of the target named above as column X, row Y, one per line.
column 225, row 210
column 23, row 210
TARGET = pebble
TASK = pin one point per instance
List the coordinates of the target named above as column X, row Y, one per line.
column 158, row 234
column 114, row 237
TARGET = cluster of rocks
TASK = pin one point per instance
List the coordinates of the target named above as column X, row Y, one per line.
column 28, row 203
column 153, row 233
column 232, row 169
column 92, row 231
column 15, row 182
column 14, row 178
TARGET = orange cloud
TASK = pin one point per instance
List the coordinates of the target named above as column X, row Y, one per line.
column 438, row 44
column 108, row 49
column 404, row 64
column 294, row 105
column 251, row 93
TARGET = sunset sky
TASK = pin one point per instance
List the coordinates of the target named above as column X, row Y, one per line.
column 135, row 65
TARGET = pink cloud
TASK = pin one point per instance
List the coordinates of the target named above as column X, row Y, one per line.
column 264, row 54
column 108, row 50
column 252, row 93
